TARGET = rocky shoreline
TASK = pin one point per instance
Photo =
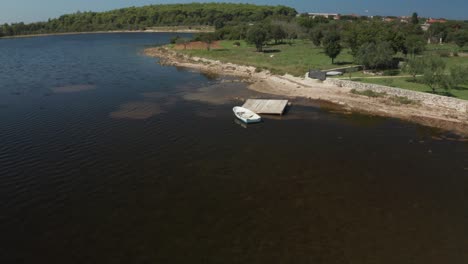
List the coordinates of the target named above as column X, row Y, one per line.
column 424, row 111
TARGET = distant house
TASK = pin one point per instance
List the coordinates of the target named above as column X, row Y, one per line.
column 405, row 19
column 425, row 26
column 388, row 19
column 431, row 21
column 325, row 15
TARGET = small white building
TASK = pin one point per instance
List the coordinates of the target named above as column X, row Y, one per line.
column 325, row 15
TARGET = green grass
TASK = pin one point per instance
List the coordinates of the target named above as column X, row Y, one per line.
column 295, row 59
column 410, row 84
column 445, row 47
column 300, row 56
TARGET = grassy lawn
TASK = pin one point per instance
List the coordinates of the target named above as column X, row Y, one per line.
column 435, row 49
column 295, row 59
column 445, row 47
column 408, row 83
column 300, row 56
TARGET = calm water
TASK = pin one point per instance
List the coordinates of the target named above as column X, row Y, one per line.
column 107, row 157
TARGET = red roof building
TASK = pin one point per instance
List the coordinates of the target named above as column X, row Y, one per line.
column 432, row 21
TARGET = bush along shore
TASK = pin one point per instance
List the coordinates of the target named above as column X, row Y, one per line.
column 427, row 109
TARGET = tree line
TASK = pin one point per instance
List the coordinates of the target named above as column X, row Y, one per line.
column 376, row 44
column 373, row 43
column 138, row 18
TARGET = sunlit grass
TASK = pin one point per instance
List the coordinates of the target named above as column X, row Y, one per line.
column 296, row 58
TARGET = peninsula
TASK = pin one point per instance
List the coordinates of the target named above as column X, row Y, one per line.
column 427, row 109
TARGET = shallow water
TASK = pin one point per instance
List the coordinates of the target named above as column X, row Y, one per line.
column 107, row 157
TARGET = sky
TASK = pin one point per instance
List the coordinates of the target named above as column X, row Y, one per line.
column 40, row 10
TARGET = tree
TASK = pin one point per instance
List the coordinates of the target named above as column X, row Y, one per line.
column 415, row 19
column 7, row 30
column 257, row 35
column 316, row 36
column 357, row 34
column 183, row 41
column 292, row 29
column 208, row 39
column 277, row 33
column 194, row 14
column 332, row 44
column 458, row 75
column 375, row 56
column 173, row 40
column 460, row 38
column 397, row 40
column 414, row 45
column 219, row 23
column 415, row 66
column 439, row 31
column 434, row 74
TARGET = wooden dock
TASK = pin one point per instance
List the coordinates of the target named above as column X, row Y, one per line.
column 266, row 106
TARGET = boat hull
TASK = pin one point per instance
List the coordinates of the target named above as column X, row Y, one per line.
column 246, row 116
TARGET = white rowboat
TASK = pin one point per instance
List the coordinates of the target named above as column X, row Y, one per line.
column 334, row 73
column 245, row 115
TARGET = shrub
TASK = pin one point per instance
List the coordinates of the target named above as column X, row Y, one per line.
column 173, row 40
column 444, row 54
column 402, row 100
column 415, row 66
column 391, row 72
column 376, row 56
column 258, row 35
column 368, row 93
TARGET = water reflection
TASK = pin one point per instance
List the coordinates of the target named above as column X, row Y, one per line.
column 240, row 123
column 73, row 88
column 83, row 182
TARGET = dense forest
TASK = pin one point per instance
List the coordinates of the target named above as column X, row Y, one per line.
column 137, row 18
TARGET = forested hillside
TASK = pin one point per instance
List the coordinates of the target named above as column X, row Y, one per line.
column 134, row 18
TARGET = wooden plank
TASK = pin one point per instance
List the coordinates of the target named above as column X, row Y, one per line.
column 266, row 106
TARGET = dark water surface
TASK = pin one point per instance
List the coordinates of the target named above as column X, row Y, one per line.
column 107, row 157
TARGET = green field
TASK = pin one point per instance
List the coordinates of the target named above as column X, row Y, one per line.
column 295, row 59
column 408, row 83
column 300, row 56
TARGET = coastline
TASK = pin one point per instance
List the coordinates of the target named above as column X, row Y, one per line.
column 162, row 30
column 431, row 115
